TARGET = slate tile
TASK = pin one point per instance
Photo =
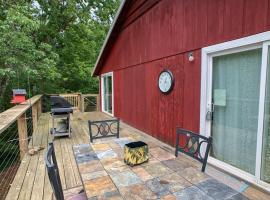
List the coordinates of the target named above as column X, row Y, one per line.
column 193, row 175
column 111, row 163
column 82, row 148
column 157, row 169
column 88, row 167
column 175, row 182
column 192, row 193
column 122, row 141
column 86, row 157
column 126, row 178
column 120, row 152
column 93, row 198
column 93, row 175
column 176, row 165
column 142, row 173
column 69, row 193
column 115, row 170
column 232, row 182
column 161, row 154
column 216, row 189
column 112, row 195
column 99, row 186
column 138, row 192
column 101, row 147
column 238, row 197
column 158, row 187
column 168, row 197
column 114, row 145
column 150, row 161
column 106, row 154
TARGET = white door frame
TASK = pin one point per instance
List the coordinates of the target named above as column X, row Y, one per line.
column 102, row 94
column 251, row 42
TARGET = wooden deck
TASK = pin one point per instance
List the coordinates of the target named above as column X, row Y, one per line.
column 31, row 181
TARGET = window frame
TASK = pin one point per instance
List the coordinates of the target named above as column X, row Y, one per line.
column 102, row 93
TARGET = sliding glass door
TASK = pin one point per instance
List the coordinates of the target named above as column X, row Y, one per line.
column 107, row 93
column 265, row 167
column 235, row 106
column 235, row 94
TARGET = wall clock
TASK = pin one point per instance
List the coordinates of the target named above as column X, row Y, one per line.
column 165, row 81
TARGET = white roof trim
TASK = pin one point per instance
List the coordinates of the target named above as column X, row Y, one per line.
column 109, row 34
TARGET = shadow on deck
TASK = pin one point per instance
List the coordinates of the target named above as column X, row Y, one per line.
column 31, row 180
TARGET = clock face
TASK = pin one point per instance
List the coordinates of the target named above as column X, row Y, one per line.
column 165, row 81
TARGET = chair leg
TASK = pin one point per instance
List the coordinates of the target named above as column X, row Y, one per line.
column 176, row 145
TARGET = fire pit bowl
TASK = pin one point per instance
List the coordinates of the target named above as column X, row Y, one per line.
column 135, row 153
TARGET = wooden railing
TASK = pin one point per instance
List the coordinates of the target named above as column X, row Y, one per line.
column 17, row 126
column 82, row 102
column 90, row 102
column 74, row 99
column 18, row 113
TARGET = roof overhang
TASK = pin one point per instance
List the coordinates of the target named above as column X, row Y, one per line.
column 111, row 33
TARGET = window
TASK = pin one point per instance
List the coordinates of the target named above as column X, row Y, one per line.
column 107, row 93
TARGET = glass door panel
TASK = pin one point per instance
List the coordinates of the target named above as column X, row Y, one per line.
column 265, row 168
column 107, row 94
column 235, row 96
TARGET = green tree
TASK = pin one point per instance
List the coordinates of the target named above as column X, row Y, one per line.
column 76, row 29
column 21, row 56
column 51, row 46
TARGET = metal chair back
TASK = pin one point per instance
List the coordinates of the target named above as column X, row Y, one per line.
column 104, row 128
column 53, row 172
column 193, row 145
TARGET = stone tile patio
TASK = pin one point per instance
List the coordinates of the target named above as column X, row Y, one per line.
column 106, row 176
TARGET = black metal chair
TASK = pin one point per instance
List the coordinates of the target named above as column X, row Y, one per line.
column 54, row 177
column 104, row 128
column 192, row 145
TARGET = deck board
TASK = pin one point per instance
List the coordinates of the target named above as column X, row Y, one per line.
column 37, row 191
column 31, row 180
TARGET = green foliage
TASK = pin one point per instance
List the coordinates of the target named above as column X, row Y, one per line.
column 51, row 46
column 20, row 55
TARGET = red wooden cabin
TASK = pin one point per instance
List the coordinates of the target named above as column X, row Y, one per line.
column 218, row 54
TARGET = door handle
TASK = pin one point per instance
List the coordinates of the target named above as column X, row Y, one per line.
column 209, row 115
column 210, row 112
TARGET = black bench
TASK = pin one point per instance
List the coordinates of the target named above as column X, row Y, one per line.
column 104, row 128
column 193, row 145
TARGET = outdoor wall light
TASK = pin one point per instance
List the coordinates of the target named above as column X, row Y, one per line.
column 190, row 57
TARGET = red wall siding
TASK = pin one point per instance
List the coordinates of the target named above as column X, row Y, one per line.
column 161, row 38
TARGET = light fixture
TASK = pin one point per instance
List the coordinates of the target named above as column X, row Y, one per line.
column 190, row 57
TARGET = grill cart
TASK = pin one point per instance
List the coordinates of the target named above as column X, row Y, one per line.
column 61, row 111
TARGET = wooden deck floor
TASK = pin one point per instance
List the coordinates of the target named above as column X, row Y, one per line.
column 31, row 181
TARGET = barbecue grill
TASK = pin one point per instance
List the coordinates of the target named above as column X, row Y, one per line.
column 61, row 110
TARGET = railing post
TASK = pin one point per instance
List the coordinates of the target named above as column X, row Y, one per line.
column 98, row 102
column 39, row 108
column 82, row 103
column 35, row 115
column 79, row 102
column 22, row 131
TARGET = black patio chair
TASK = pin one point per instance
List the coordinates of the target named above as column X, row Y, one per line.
column 54, row 177
column 103, row 129
column 193, row 145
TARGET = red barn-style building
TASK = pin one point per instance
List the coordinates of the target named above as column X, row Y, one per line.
column 217, row 52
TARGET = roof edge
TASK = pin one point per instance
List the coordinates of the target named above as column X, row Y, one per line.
column 108, row 36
